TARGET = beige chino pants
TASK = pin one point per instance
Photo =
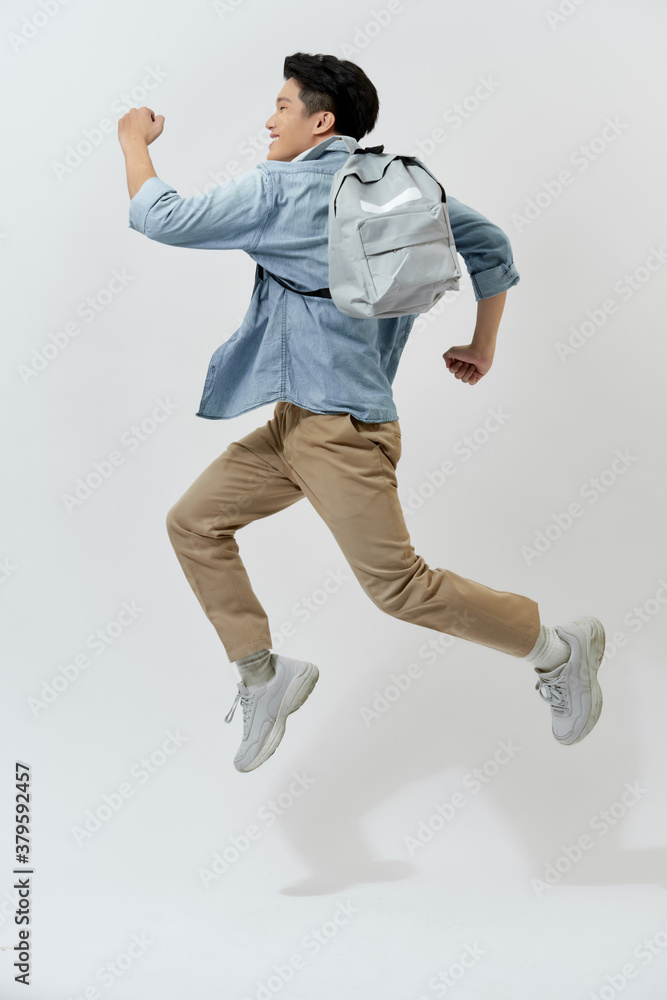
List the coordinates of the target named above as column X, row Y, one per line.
column 347, row 469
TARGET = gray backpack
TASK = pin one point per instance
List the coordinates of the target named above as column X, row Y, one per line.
column 391, row 248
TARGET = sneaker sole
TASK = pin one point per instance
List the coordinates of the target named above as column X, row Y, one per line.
column 595, row 644
column 297, row 691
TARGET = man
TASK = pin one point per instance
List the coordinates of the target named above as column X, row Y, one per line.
column 334, row 436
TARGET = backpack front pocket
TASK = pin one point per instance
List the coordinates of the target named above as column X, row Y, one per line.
column 405, row 250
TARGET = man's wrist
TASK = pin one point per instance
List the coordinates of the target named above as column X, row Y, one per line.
column 484, row 342
column 133, row 144
column 489, row 312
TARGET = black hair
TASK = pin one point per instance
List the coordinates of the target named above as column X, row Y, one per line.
column 336, row 85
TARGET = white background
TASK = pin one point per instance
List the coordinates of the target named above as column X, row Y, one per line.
column 411, row 912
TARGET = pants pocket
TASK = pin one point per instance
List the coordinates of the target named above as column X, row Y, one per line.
column 386, row 436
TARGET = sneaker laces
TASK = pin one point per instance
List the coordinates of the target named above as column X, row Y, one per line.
column 246, row 701
column 554, row 690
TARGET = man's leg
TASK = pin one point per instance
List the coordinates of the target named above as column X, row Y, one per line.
column 347, row 469
column 246, row 482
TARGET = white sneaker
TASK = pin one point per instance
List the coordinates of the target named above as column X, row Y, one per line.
column 572, row 689
column 266, row 707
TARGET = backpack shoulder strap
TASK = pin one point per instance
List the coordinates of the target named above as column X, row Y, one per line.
column 320, row 293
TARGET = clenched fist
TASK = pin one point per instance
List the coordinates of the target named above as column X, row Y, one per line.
column 467, row 364
column 140, row 124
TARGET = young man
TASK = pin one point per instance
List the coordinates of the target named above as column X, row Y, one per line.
column 334, row 436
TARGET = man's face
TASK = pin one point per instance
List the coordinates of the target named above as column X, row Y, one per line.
column 294, row 131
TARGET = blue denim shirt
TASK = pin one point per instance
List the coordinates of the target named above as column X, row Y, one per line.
column 289, row 346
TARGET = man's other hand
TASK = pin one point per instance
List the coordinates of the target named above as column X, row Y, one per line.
column 467, row 364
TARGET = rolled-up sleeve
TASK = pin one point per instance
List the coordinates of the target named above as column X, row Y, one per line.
column 485, row 248
column 231, row 216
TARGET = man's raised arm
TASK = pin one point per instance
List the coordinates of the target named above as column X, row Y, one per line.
column 136, row 131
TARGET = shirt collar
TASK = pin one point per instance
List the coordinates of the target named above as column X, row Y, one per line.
column 302, row 154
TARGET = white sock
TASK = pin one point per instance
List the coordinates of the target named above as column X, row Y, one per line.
column 549, row 651
column 257, row 668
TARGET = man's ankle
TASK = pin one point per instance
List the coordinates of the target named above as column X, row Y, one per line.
column 257, row 668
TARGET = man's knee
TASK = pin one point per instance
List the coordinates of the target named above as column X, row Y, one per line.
column 391, row 604
column 188, row 516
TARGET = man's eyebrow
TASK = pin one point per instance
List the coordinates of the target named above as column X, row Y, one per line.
column 283, row 99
